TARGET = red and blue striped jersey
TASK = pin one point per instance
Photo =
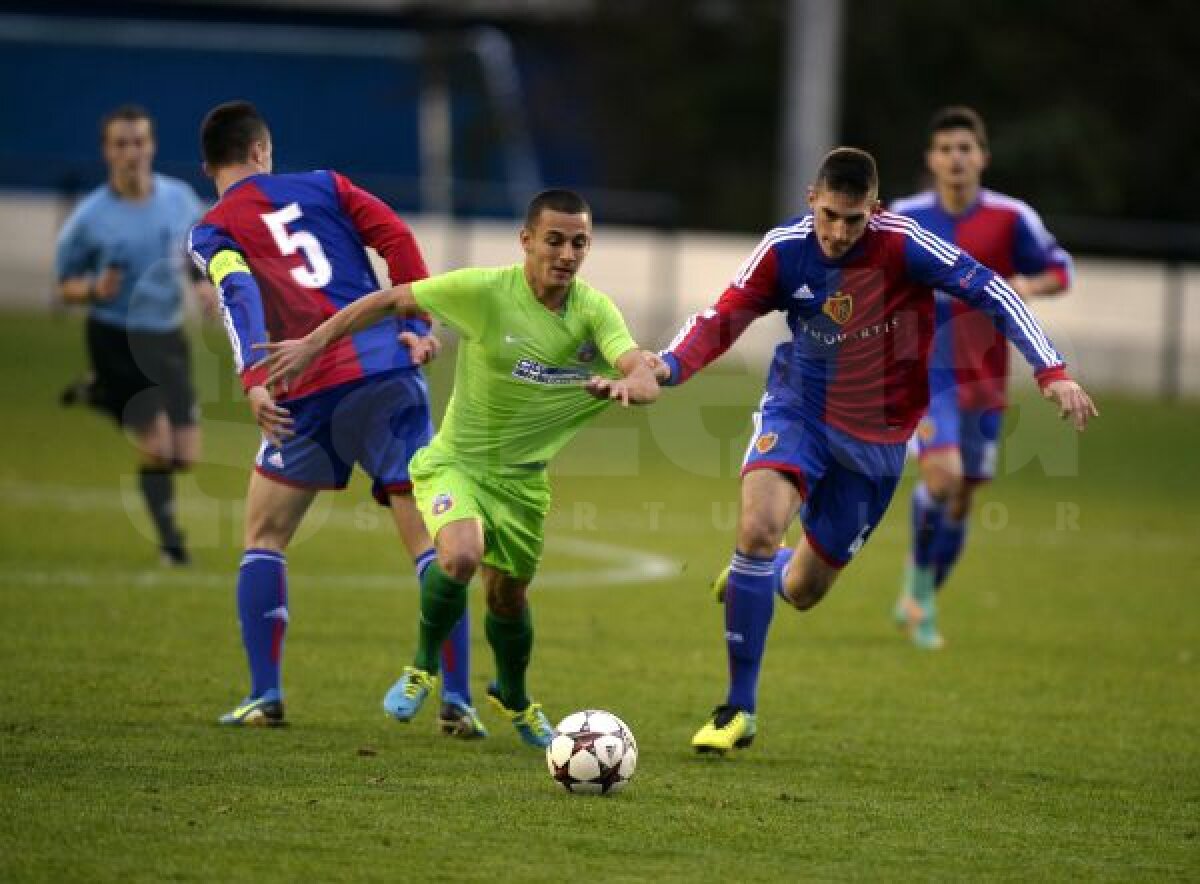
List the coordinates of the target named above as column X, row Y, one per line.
column 1008, row 236
column 861, row 325
column 286, row 252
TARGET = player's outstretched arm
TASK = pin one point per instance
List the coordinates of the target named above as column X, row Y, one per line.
column 1073, row 402
column 636, row 386
column 287, row 359
column 1038, row 285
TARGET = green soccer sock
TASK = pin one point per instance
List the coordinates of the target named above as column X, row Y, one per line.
column 512, row 643
column 443, row 600
column 921, row 587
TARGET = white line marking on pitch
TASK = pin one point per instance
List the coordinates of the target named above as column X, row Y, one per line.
column 625, row 564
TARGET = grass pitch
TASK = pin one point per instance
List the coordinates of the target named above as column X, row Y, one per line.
column 1055, row 737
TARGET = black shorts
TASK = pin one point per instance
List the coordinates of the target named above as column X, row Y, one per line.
column 141, row 374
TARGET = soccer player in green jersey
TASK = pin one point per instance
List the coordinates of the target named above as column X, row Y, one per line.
column 536, row 361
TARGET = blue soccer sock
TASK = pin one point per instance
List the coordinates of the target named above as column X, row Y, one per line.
column 947, row 547
column 423, row 561
column 749, row 605
column 456, row 661
column 456, row 649
column 262, row 595
column 927, row 517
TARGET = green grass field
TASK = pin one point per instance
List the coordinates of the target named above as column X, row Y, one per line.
column 1054, row 738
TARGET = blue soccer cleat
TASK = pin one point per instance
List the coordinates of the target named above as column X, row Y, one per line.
column 531, row 723
column 458, row 718
column 265, row 711
column 408, row 693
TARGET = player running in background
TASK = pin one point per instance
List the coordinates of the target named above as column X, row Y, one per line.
column 121, row 253
column 285, row 252
column 534, row 365
column 842, row 397
column 968, row 365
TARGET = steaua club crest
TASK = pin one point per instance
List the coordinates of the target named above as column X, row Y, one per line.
column 839, row 308
column 926, row 429
column 587, row 352
column 442, row 503
column 765, row 442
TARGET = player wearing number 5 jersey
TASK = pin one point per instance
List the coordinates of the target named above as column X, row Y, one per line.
column 286, row 252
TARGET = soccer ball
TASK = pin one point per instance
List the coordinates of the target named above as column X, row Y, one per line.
column 593, row 753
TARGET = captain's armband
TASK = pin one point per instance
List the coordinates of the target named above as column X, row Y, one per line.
column 224, row 263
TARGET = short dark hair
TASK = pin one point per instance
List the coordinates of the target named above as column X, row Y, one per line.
column 556, row 199
column 849, row 171
column 228, row 132
column 126, row 113
column 959, row 116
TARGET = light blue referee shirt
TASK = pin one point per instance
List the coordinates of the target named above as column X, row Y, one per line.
column 145, row 239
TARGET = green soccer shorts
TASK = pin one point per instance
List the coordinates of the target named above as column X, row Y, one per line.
column 512, row 506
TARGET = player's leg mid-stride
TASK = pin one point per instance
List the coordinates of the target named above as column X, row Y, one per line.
column 748, row 588
column 508, row 625
column 845, row 495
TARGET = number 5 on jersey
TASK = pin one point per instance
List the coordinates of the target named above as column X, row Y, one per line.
column 301, row 241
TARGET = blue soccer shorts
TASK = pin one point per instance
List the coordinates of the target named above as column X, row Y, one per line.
column 974, row 432
column 846, row 483
column 378, row 422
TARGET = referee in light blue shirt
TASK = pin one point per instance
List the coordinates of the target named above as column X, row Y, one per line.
column 121, row 252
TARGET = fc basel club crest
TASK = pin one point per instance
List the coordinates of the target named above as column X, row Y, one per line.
column 442, row 503
column 765, row 442
column 926, row 429
column 839, row 308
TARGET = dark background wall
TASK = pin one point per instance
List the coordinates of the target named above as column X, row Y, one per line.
column 1094, row 106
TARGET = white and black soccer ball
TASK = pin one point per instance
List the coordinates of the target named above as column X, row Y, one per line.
column 593, row 753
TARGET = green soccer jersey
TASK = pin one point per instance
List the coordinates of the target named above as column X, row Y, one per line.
column 518, row 384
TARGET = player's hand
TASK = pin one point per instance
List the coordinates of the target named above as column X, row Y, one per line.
column 1021, row 285
column 107, row 285
column 421, row 348
column 274, row 420
column 287, row 359
column 654, row 362
column 210, row 301
column 1073, row 402
column 609, row 388
column 639, row 388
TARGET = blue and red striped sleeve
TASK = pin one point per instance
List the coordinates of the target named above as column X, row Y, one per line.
column 385, row 232
column 936, row 263
column 218, row 256
column 1035, row 249
column 706, row 336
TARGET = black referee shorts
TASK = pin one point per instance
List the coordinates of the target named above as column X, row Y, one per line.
column 141, row 374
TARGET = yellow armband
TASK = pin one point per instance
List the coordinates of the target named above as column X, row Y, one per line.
column 224, row 263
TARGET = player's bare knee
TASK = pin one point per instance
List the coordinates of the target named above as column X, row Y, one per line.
column 460, row 563
column 944, row 486
column 804, row 587
column 266, row 528
column 759, row 534
column 806, row 595
column 266, row 534
column 154, row 453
